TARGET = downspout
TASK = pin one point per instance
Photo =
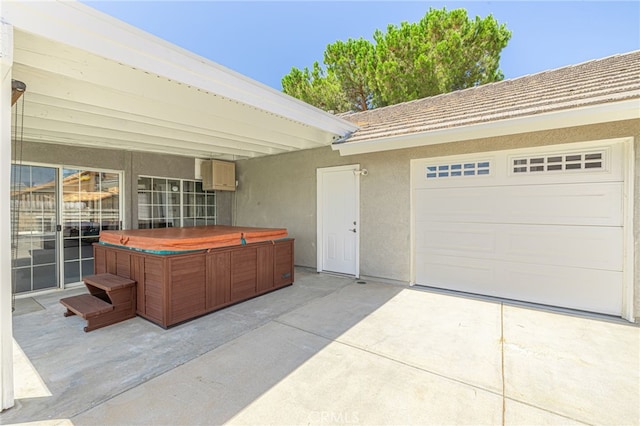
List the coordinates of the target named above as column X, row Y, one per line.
column 6, row 326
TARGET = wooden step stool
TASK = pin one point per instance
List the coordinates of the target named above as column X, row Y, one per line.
column 112, row 299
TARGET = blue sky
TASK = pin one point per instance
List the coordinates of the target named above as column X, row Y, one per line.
column 264, row 39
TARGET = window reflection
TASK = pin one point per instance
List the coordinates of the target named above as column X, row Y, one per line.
column 164, row 202
column 90, row 201
column 33, row 227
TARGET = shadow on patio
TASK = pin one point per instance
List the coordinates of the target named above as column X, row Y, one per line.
column 330, row 351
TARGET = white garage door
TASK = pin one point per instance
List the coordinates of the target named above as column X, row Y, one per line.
column 542, row 225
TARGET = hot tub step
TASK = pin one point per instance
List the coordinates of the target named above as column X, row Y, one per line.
column 112, row 299
column 85, row 306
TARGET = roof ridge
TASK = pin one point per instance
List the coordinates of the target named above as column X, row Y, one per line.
column 579, row 64
column 596, row 81
column 494, row 83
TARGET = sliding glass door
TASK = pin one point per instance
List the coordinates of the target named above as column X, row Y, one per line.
column 34, row 209
column 58, row 214
column 91, row 203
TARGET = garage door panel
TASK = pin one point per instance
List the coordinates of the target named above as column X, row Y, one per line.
column 483, row 172
column 575, row 246
column 463, row 274
column 575, row 204
column 525, row 166
column 458, row 204
column 575, row 288
column 466, row 240
column 551, row 285
column 544, row 225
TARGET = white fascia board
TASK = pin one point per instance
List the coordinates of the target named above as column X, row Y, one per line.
column 595, row 114
column 81, row 26
column 7, row 397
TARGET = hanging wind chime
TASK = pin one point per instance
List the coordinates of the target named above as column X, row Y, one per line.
column 17, row 90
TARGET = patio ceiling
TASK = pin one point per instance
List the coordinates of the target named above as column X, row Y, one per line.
column 97, row 82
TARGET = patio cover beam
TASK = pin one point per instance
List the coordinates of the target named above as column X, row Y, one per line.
column 6, row 327
column 67, row 51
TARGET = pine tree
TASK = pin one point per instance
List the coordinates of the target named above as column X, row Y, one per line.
column 443, row 52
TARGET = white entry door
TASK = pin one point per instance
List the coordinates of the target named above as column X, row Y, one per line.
column 338, row 219
column 543, row 225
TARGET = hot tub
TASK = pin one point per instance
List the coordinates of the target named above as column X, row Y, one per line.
column 183, row 273
column 175, row 240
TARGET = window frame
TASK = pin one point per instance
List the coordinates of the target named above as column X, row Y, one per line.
column 164, row 202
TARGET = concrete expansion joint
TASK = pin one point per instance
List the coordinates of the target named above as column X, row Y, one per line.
column 394, row 360
column 332, row 337
column 553, row 413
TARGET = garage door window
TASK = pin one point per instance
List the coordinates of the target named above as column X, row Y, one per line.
column 559, row 162
column 458, row 169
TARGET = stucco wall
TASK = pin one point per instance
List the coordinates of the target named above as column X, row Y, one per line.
column 133, row 164
column 281, row 191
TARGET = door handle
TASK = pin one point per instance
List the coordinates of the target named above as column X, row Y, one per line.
column 353, row 230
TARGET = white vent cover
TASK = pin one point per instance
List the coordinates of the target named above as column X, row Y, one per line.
column 198, row 168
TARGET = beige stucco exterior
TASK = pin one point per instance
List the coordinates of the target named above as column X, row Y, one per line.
column 281, row 191
column 132, row 164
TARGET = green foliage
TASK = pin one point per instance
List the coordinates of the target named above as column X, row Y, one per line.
column 351, row 63
column 316, row 88
column 443, row 52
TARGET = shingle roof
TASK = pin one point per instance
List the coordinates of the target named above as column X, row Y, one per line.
column 610, row 79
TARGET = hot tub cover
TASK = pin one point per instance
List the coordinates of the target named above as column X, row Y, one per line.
column 189, row 239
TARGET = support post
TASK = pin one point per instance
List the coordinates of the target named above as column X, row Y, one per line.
column 6, row 329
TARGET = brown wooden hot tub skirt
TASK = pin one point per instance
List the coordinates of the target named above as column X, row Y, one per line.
column 182, row 273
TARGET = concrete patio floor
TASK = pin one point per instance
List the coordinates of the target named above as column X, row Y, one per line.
column 328, row 350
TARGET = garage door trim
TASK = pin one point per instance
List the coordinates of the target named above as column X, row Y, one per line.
column 626, row 175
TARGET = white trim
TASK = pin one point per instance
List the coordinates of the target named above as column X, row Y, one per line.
column 78, row 25
column 6, row 327
column 319, row 215
column 628, row 287
column 412, row 225
column 357, row 225
column 60, row 207
column 51, row 290
column 603, row 113
column 181, row 192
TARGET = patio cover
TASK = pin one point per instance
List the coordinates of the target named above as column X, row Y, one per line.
column 95, row 81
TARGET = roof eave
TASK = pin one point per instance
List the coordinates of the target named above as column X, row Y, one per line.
column 593, row 114
column 81, row 26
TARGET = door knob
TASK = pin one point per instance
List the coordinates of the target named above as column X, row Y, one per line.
column 353, row 230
